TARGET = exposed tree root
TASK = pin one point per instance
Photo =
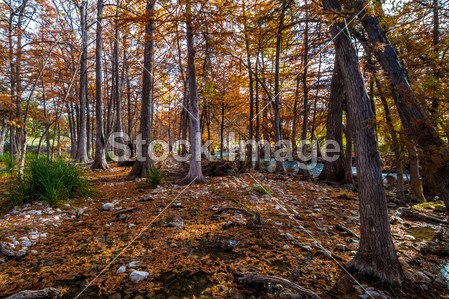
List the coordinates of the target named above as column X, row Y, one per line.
column 124, row 211
column 191, row 180
column 415, row 215
column 347, row 230
column 259, row 278
column 44, row 293
column 121, row 219
column 366, row 267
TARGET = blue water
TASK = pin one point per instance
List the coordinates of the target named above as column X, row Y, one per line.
column 314, row 169
column 445, row 271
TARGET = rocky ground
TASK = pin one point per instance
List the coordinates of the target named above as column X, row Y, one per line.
column 196, row 241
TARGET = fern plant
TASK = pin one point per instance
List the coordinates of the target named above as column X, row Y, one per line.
column 155, row 177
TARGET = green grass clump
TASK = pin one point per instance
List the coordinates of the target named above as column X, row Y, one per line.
column 109, row 158
column 155, row 177
column 51, row 181
column 261, row 190
column 7, row 164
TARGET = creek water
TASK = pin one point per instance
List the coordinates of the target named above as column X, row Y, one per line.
column 313, row 168
column 427, row 233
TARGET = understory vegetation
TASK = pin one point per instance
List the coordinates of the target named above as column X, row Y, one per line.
column 155, row 177
column 50, row 181
column 7, row 164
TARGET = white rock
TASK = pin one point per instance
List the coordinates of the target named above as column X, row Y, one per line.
column 26, row 243
column 58, row 210
column 289, row 237
column 420, row 276
column 108, row 206
column 24, row 239
column 306, row 247
column 44, row 235
column 410, row 237
column 121, row 270
column 138, row 276
column 34, row 237
column 27, row 216
column 134, row 264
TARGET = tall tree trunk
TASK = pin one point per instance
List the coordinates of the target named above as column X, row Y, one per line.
column 16, row 132
column 313, row 137
column 295, row 113
column 117, row 92
column 305, row 118
column 109, row 102
column 348, row 176
column 100, row 157
column 334, row 171
column 395, row 140
column 47, row 141
column 376, row 255
column 46, row 120
column 277, row 119
column 73, row 132
column 12, row 71
column 436, row 43
column 142, row 168
column 81, row 155
column 222, row 128
column 53, row 143
column 88, row 125
column 184, row 119
column 20, row 140
column 128, row 97
column 11, row 143
column 249, row 149
column 418, row 126
column 3, row 135
column 59, row 140
column 416, row 191
column 257, row 164
column 195, row 172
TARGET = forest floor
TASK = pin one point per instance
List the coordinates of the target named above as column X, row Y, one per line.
column 192, row 241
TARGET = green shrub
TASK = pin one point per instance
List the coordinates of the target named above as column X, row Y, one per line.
column 262, row 190
column 50, row 181
column 155, row 177
column 5, row 159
